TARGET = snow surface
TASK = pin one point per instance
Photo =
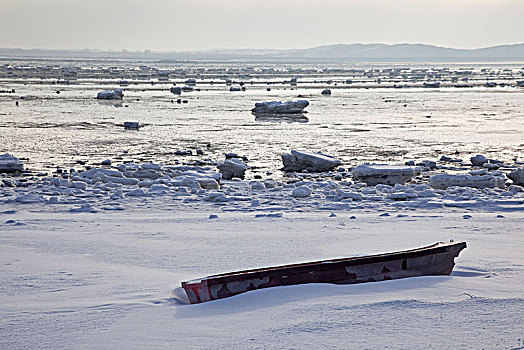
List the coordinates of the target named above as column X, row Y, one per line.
column 82, row 280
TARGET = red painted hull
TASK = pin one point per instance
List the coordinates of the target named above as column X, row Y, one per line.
column 436, row 259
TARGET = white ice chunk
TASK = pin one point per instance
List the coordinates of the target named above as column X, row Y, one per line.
column 115, row 94
column 303, row 160
column 301, row 192
column 278, row 107
column 374, row 174
column 443, row 181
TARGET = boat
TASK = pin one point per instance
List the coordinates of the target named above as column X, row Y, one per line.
column 436, row 259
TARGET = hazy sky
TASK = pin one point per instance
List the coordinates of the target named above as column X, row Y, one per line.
column 173, row 25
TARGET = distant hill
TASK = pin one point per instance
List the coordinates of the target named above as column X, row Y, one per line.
column 411, row 51
column 366, row 52
column 336, row 53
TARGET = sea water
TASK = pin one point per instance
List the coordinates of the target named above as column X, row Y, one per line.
column 384, row 114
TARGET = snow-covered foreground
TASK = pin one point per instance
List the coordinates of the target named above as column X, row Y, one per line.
column 104, row 280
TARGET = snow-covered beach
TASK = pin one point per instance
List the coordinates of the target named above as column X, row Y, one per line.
column 104, row 279
column 102, row 223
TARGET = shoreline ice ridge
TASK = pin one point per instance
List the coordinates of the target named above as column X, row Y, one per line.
column 205, row 187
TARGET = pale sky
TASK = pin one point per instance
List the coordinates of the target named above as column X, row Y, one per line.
column 179, row 25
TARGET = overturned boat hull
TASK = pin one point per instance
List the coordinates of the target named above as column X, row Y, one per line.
column 436, row 259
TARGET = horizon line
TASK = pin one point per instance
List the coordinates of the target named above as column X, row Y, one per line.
column 249, row 48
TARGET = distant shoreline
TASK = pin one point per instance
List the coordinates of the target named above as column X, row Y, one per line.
column 368, row 53
column 266, row 61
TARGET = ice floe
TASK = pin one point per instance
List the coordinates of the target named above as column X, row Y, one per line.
column 309, row 161
column 278, row 107
column 176, row 90
column 9, row 163
column 374, row 174
column 131, row 125
column 443, row 181
column 478, row 160
column 232, row 167
column 115, row 94
column 301, row 191
column 517, row 176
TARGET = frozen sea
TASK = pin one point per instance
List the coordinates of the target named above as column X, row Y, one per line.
column 58, row 121
column 92, row 264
